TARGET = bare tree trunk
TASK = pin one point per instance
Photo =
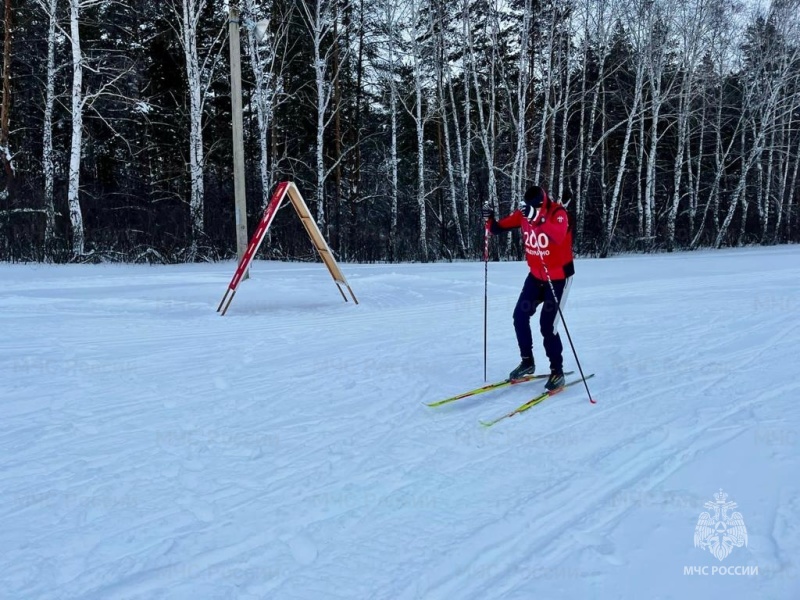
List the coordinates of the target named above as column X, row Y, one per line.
column 48, row 160
column 520, row 166
column 393, row 166
column 463, row 160
column 547, row 84
column 746, row 161
column 745, row 199
column 191, row 11
column 467, row 154
column 611, row 217
column 262, row 63
column 783, row 166
column 334, row 219
column 320, row 26
column 580, row 201
column 560, row 110
column 684, row 106
column 689, row 64
column 550, row 162
column 463, row 170
column 695, row 180
column 659, row 33
column 323, row 98
column 587, row 147
column 422, row 245
column 640, row 193
column 391, row 15
column 567, row 103
column 73, row 190
column 5, row 109
column 677, row 172
column 761, row 100
column 355, row 192
column 765, row 192
column 792, row 189
column 394, row 160
column 486, row 122
column 720, row 157
column 440, row 66
column 591, row 148
column 713, row 196
column 650, row 185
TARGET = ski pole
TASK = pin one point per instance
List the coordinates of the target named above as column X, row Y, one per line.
column 566, row 329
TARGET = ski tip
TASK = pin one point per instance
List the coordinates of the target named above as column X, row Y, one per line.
column 592, row 400
column 485, row 424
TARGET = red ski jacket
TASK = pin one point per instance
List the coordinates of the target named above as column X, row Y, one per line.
column 547, row 233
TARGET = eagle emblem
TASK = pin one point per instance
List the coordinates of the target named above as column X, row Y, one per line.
column 720, row 533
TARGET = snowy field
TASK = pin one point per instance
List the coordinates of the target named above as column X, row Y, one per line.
column 150, row 448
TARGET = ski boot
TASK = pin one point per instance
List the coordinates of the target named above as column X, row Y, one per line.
column 555, row 381
column 525, row 368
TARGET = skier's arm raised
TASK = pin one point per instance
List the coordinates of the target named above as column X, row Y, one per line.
column 508, row 223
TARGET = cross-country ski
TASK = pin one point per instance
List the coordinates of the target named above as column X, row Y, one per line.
column 489, row 388
column 533, row 402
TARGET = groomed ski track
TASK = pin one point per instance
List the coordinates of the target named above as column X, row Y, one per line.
column 152, row 449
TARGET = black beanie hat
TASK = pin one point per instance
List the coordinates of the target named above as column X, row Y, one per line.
column 534, row 197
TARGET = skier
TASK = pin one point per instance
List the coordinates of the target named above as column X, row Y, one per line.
column 548, row 249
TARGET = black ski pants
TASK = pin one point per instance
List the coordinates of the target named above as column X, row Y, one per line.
column 537, row 293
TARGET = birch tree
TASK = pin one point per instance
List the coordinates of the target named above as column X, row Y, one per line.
column 786, row 56
column 762, row 94
column 319, row 20
column 596, row 42
column 565, row 104
column 721, row 37
column 49, row 7
column 463, row 134
column 680, row 122
column 392, row 18
column 547, row 87
column 520, row 164
column 418, row 35
column 109, row 80
column 268, row 81
column 485, row 95
column 441, row 65
column 78, row 101
column 610, row 210
column 656, row 47
column 190, row 14
column 5, row 108
column 691, row 22
column 785, row 147
column 48, row 159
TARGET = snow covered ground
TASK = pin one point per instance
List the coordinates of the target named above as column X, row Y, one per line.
column 150, row 448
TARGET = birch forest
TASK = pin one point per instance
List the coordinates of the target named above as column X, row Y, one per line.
column 661, row 125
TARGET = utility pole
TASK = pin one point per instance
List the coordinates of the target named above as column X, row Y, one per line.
column 238, row 136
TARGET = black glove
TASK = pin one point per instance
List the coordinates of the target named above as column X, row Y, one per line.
column 487, row 212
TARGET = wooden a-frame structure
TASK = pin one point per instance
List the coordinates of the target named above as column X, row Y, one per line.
column 284, row 189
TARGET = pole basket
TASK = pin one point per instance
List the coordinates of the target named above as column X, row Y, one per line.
column 285, row 189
